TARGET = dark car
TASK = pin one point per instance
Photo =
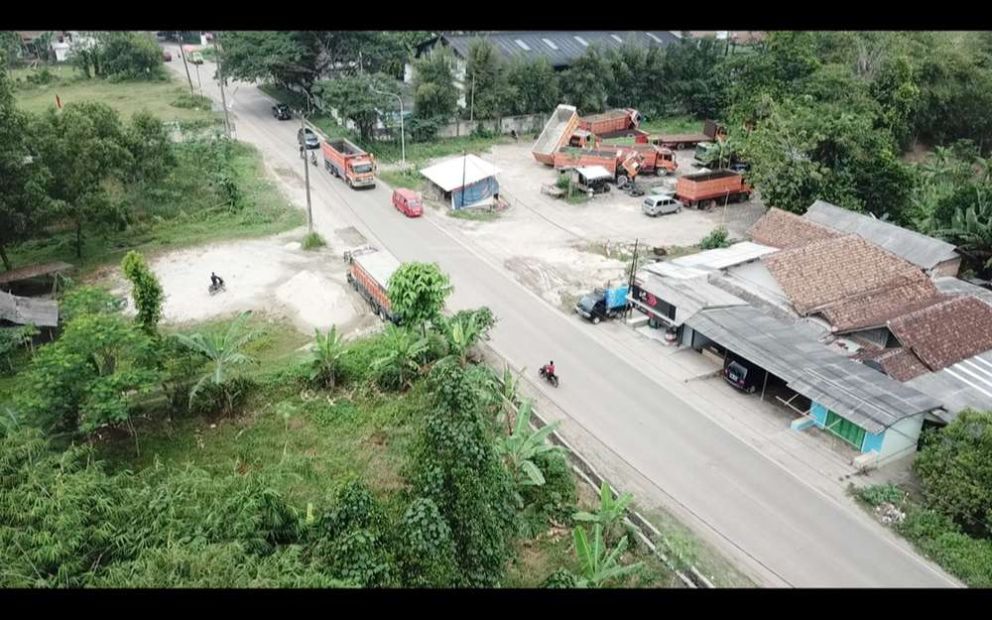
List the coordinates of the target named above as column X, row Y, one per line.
column 308, row 138
column 281, row 111
column 742, row 375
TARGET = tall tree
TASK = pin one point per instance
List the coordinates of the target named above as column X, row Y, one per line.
column 24, row 201
column 359, row 99
column 145, row 290
column 434, row 93
column 586, row 84
column 486, row 88
column 534, row 86
column 151, row 149
column 84, row 146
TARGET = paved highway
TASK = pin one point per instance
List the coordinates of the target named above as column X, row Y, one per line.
column 790, row 533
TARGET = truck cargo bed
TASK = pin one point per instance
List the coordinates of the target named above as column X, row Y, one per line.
column 556, row 132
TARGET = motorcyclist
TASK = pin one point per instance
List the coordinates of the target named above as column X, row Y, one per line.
column 215, row 280
column 313, row 158
column 549, row 370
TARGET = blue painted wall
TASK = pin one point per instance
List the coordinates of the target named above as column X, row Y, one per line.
column 873, row 442
column 819, row 413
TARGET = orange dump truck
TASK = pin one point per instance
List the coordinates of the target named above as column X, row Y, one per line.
column 711, row 131
column 611, row 123
column 623, row 163
column 656, row 159
column 344, row 159
column 707, row 189
column 369, row 270
column 556, row 133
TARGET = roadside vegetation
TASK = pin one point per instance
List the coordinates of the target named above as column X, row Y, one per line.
column 950, row 520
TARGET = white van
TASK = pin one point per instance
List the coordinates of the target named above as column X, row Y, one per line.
column 660, row 205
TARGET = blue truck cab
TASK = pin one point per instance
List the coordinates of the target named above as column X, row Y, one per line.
column 603, row 303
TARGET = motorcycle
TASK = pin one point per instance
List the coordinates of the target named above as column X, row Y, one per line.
column 552, row 379
column 216, row 288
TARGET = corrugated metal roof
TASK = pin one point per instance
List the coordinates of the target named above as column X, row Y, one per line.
column 921, row 250
column 862, row 395
column 960, row 287
column 565, row 46
column 689, row 296
column 722, row 258
column 458, row 172
column 26, row 311
column 967, row 384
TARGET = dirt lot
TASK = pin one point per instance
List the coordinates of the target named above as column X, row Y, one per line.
column 556, row 248
column 272, row 275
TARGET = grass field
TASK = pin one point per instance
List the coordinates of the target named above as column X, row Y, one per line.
column 127, row 98
column 185, row 211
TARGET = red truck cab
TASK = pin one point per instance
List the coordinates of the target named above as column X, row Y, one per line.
column 408, row 202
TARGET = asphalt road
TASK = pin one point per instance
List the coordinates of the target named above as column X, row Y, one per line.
column 792, row 534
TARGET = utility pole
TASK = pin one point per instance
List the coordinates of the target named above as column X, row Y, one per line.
column 306, row 172
column 223, row 97
column 464, row 161
column 182, row 52
column 471, row 109
column 402, row 132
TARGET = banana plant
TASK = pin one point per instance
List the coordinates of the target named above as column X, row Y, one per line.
column 601, row 565
column 223, row 350
column 399, row 366
column 326, row 357
column 610, row 512
column 506, row 390
column 524, row 445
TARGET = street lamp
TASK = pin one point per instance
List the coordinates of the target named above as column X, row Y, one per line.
column 402, row 136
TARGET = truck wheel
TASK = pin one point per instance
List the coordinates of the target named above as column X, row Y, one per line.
column 348, row 182
column 595, row 320
column 622, row 181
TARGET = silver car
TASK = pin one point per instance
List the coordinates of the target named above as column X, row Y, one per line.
column 660, row 205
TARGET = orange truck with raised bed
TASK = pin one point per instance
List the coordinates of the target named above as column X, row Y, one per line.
column 623, row 163
column 556, row 133
column 707, row 189
column 369, row 270
column 612, row 122
column 349, row 162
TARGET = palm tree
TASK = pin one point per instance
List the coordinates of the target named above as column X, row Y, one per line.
column 399, row 366
column 524, row 445
column 610, row 512
column 223, row 350
column 600, row 565
column 326, row 357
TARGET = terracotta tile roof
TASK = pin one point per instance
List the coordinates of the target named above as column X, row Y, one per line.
column 834, row 269
column 905, row 293
column 782, row 229
column 946, row 333
column 899, row 363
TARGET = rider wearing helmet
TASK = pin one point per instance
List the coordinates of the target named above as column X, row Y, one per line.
column 550, row 369
column 216, row 280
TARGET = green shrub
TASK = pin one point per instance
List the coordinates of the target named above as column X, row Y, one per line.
column 561, row 579
column 937, row 536
column 716, row 239
column 425, row 552
column 880, row 493
column 313, row 241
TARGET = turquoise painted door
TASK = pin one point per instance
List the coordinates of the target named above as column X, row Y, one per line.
column 845, row 429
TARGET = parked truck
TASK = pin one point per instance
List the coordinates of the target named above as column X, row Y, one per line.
column 623, row 163
column 656, row 159
column 611, row 123
column 556, row 133
column 705, row 189
column 603, row 303
column 369, row 270
column 711, row 131
column 349, row 162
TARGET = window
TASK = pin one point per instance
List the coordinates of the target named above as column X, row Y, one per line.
column 522, row 45
column 616, row 38
column 581, row 40
column 550, row 44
